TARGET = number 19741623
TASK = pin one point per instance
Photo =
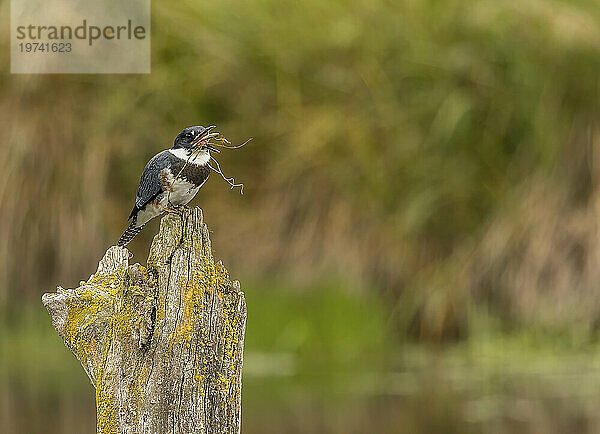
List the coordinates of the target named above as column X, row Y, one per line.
column 47, row 47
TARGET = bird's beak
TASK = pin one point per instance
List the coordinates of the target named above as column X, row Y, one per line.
column 206, row 134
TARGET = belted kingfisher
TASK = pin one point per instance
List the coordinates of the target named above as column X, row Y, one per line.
column 171, row 178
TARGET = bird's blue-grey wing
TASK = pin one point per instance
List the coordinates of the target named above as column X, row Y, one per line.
column 150, row 185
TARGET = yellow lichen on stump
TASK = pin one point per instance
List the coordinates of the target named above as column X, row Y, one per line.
column 162, row 345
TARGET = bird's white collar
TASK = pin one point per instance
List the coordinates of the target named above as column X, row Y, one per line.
column 196, row 158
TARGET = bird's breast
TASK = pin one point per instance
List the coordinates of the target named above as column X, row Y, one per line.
column 181, row 182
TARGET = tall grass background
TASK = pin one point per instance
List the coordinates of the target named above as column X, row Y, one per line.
column 437, row 163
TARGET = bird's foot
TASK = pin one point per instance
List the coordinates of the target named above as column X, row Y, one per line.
column 170, row 209
column 175, row 209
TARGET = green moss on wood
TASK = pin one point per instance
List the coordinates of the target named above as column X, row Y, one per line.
column 124, row 312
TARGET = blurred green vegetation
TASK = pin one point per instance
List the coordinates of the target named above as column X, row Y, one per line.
column 420, row 214
column 335, row 370
column 391, row 139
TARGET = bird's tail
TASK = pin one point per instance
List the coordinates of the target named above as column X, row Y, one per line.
column 131, row 231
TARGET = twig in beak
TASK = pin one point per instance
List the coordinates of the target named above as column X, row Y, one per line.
column 227, row 142
column 212, row 148
column 230, row 181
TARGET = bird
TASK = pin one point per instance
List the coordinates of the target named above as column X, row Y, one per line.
column 171, row 178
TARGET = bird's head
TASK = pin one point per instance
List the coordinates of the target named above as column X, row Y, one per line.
column 192, row 138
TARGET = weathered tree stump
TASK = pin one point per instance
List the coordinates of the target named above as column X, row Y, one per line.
column 162, row 344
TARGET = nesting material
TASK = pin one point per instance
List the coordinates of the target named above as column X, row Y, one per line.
column 212, row 142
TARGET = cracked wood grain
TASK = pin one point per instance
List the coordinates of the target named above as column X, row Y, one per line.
column 162, row 344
